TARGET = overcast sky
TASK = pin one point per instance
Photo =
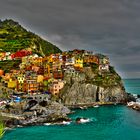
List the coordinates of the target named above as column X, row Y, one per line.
column 111, row 27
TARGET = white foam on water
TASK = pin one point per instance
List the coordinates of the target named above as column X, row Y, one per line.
column 60, row 123
column 84, row 120
column 66, row 123
column 96, row 106
column 47, row 124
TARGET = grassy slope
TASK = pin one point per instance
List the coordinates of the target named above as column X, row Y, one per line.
column 14, row 37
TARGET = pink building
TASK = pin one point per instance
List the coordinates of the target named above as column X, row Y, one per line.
column 56, row 86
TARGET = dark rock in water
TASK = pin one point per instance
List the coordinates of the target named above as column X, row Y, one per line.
column 138, row 96
column 130, row 98
column 78, row 120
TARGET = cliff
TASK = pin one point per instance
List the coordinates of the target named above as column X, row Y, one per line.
column 89, row 87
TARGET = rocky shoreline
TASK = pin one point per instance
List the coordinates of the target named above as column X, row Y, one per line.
column 134, row 101
column 134, row 105
column 57, row 116
column 34, row 113
column 54, row 113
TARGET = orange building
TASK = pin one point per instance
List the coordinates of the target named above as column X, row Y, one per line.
column 50, row 58
column 47, row 69
column 32, row 86
column 35, row 68
column 1, row 72
column 91, row 59
column 21, row 87
column 45, row 59
column 38, row 61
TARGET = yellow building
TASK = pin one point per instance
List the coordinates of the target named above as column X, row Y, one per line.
column 78, row 62
column 21, row 79
column 12, row 83
column 45, row 59
column 21, row 85
column 50, row 58
column 38, row 61
column 24, row 60
column 40, row 78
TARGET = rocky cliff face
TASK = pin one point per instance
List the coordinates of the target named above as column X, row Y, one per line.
column 34, row 113
column 85, row 89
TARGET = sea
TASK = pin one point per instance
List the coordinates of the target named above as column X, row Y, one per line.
column 113, row 122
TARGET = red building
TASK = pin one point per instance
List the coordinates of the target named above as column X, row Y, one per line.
column 58, row 75
column 20, row 54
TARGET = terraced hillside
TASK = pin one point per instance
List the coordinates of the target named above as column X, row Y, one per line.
column 14, row 37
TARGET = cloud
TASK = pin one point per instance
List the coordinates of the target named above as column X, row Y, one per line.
column 109, row 26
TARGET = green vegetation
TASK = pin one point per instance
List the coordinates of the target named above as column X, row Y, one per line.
column 112, row 70
column 4, row 96
column 9, row 64
column 14, row 37
column 105, row 79
column 2, row 128
column 95, row 68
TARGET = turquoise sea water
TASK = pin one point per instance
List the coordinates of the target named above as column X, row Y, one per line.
column 107, row 123
column 132, row 85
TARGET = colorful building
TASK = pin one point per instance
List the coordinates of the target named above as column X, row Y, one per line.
column 38, row 61
column 71, row 71
column 104, row 67
column 32, row 86
column 91, row 59
column 70, row 60
column 40, row 78
column 21, row 83
column 56, row 86
column 78, row 62
column 12, row 84
column 58, row 74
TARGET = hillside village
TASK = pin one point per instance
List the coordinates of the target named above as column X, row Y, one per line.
column 37, row 75
column 39, row 82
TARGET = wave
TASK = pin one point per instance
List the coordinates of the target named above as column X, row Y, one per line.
column 58, row 123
